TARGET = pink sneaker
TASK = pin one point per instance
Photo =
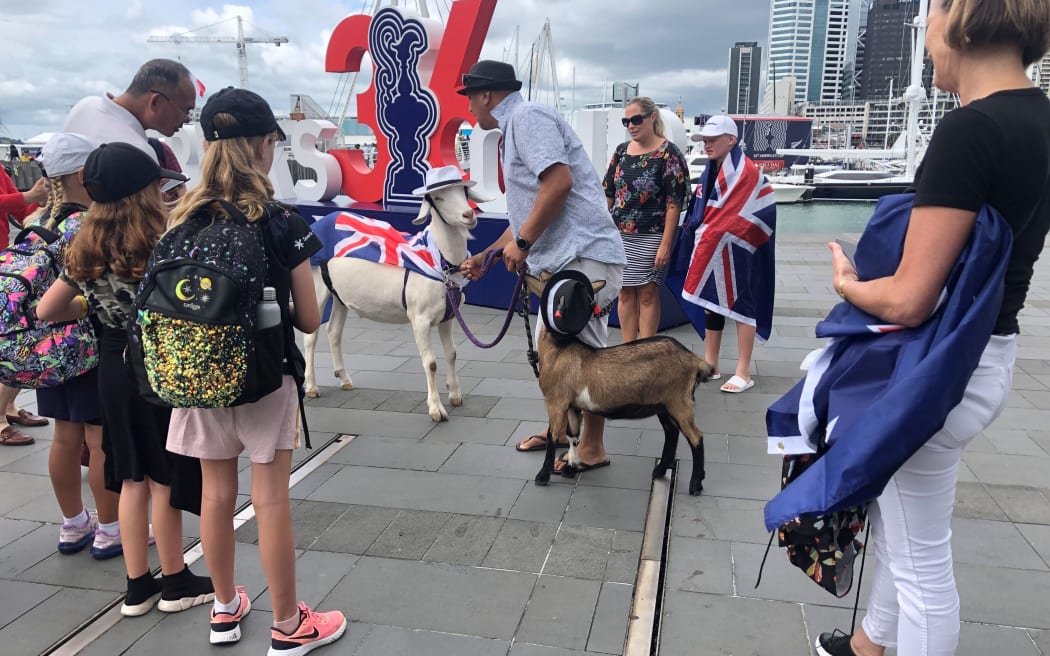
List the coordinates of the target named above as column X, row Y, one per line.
column 315, row 630
column 226, row 627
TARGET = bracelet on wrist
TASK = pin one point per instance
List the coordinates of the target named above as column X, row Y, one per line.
column 841, row 288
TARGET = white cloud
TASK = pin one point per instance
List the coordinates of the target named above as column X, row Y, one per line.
column 668, row 46
column 210, row 17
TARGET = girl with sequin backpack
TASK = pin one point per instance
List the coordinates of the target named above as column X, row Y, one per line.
column 241, row 134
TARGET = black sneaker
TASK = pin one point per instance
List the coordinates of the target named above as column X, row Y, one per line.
column 835, row 643
column 142, row 594
column 184, row 590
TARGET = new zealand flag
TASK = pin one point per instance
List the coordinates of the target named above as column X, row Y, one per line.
column 879, row 392
column 723, row 260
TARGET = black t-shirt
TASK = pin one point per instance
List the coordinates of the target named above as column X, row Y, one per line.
column 293, row 243
column 996, row 150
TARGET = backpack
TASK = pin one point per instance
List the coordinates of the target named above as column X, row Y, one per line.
column 192, row 339
column 824, row 545
column 35, row 353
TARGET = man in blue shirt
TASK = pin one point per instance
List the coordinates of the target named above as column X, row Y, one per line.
column 558, row 215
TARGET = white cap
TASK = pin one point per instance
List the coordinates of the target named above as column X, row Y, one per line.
column 718, row 125
column 65, row 153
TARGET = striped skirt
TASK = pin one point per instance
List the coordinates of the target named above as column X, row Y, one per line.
column 641, row 256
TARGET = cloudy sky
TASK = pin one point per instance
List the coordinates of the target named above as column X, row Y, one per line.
column 56, row 52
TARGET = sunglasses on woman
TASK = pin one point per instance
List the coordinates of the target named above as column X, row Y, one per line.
column 635, row 120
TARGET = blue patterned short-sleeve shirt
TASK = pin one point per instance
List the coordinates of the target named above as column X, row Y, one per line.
column 535, row 138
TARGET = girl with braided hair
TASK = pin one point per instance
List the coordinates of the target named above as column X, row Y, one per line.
column 74, row 405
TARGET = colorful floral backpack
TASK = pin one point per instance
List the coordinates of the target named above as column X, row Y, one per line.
column 824, row 546
column 35, row 353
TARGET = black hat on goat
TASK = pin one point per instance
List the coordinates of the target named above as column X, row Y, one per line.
column 489, row 75
column 568, row 303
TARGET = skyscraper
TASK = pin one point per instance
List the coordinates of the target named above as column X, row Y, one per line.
column 813, row 41
column 887, row 48
column 745, row 72
column 1040, row 73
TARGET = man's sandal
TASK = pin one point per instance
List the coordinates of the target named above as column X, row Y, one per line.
column 540, row 446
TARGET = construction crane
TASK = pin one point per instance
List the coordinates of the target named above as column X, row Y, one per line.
column 240, row 40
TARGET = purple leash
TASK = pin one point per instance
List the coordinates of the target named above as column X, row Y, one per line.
column 454, row 298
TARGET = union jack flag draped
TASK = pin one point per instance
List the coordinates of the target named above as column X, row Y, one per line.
column 724, row 259
column 346, row 234
column 877, row 392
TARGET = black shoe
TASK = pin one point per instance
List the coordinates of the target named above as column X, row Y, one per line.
column 184, row 590
column 142, row 594
column 835, row 643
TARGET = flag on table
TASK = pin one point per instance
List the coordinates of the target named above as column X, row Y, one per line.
column 724, row 258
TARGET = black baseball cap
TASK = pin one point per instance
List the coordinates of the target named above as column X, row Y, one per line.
column 253, row 114
column 489, row 75
column 117, row 170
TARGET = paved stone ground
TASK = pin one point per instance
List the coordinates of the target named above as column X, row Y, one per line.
column 433, row 539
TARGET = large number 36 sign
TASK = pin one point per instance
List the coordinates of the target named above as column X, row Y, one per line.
column 411, row 105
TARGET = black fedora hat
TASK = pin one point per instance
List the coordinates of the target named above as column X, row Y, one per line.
column 489, row 75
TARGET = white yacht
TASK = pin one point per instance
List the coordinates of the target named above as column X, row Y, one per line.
column 785, row 192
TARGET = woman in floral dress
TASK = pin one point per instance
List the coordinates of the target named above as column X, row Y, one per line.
column 647, row 185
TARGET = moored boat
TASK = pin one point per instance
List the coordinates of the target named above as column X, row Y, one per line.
column 786, row 193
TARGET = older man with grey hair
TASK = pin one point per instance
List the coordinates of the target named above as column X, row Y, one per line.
column 160, row 97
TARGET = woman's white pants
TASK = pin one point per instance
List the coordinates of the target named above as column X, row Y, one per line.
column 914, row 604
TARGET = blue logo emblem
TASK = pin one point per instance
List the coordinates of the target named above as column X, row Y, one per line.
column 406, row 110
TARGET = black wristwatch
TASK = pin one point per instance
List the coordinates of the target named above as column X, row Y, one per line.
column 522, row 243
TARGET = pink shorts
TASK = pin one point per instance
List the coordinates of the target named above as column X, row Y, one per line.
column 261, row 428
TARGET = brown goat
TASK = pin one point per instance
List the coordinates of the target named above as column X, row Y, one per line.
column 652, row 376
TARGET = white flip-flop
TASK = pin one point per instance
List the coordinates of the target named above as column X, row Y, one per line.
column 715, row 376
column 741, row 385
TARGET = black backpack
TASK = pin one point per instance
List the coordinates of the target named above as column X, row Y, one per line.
column 192, row 339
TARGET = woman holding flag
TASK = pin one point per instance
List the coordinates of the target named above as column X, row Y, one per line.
column 992, row 152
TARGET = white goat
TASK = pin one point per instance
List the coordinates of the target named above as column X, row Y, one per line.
column 385, row 293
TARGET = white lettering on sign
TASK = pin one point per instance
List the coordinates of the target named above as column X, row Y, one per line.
column 599, row 130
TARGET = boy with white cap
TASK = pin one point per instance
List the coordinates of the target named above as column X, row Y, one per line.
column 723, row 261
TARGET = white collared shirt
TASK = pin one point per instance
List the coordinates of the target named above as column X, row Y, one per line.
column 102, row 119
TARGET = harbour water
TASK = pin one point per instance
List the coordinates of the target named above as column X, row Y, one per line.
column 824, row 217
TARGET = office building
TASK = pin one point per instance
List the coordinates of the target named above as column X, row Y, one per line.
column 815, row 42
column 1040, row 73
column 745, row 73
column 887, row 48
